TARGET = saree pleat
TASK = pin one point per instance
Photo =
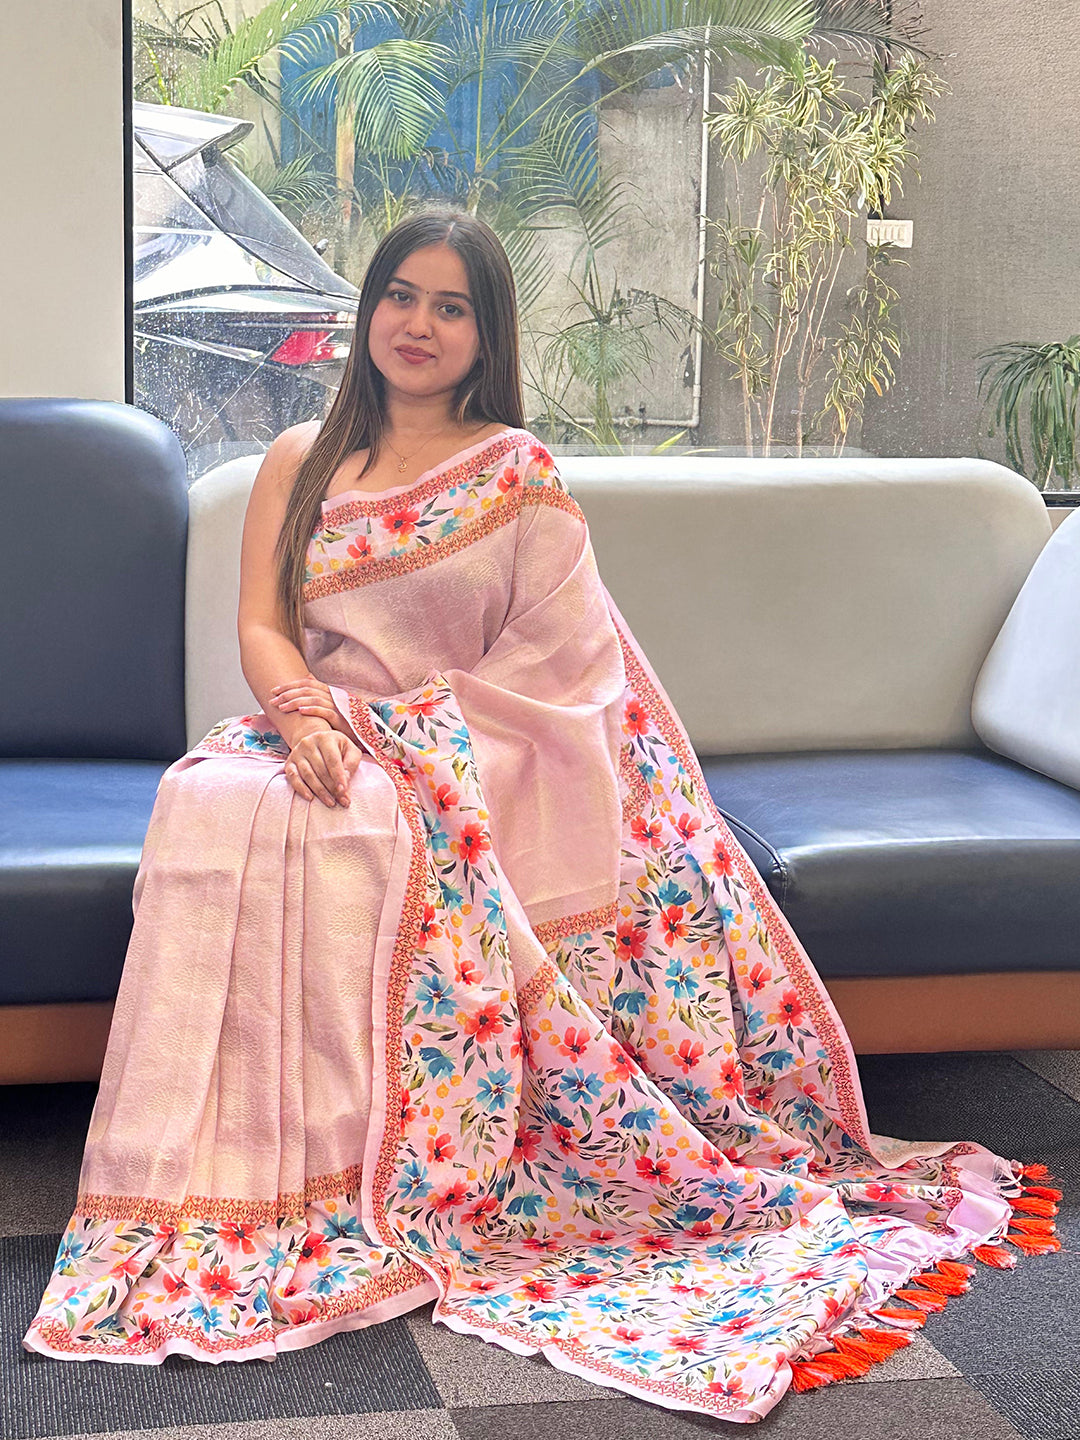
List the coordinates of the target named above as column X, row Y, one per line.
column 520, row 1030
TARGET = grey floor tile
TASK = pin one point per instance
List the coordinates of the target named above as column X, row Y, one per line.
column 917, row 1361
column 42, row 1134
column 393, row 1425
column 360, row 1372
column 470, row 1371
column 943, row 1409
column 1060, row 1067
column 1044, row 1404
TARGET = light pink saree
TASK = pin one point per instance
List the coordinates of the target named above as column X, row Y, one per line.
column 520, row 1030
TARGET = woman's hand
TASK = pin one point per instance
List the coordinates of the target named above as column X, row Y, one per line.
column 320, row 765
column 309, row 696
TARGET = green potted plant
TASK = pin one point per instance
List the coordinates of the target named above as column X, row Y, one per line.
column 1022, row 381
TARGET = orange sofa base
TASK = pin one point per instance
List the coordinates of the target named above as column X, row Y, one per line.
column 1036, row 1010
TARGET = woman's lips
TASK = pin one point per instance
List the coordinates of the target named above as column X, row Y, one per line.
column 414, row 357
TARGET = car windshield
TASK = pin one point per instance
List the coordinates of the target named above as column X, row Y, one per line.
column 222, row 191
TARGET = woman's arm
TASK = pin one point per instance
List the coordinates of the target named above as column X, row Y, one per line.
column 267, row 657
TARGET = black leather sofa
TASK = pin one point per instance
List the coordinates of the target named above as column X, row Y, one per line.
column 936, row 890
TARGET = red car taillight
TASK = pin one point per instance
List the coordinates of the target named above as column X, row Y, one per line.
column 307, row 347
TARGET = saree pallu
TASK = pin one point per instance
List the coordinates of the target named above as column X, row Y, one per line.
column 520, row 1030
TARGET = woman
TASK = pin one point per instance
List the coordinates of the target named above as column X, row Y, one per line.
column 447, row 979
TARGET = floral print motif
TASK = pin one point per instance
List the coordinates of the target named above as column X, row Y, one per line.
column 649, row 1160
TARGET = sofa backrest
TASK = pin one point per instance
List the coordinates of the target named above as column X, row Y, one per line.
column 784, row 604
column 93, row 522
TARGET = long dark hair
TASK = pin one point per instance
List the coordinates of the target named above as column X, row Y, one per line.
column 491, row 391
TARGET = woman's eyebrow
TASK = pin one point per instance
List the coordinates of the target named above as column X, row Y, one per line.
column 397, row 280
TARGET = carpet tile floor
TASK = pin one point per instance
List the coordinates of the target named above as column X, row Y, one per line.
column 1001, row 1362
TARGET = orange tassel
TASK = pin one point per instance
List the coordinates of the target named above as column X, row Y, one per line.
column 1030, row 1225
column 824, row 1369
column 1034, row 1205
column 923, row 1299
column 957, row 1268
column 885, row 1341
column 915, row 1318
column 1034, row 1244
column 994, row 1255
column 1048, row 1192
column 871, row 1346
column 1035, row 1172
column 943, row 1284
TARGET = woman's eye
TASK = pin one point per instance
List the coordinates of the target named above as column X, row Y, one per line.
column 450, row 306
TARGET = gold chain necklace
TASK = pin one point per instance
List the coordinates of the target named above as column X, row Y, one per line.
column 405, row 458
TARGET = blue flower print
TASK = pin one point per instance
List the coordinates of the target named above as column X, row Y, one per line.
column 436, row 994
column 437, row 1061
column 688, row 1215
column 413, row 1182
column 672, row 893
column 784, row 1197
column 643, row 1119
column 721, row 1189
column 576, row 1085
column 461, row 742
column 531, row 1203
column 450, row 896
column 493, row 906
column 437, row 836
column 632, row 1001
column 494, row 1089
column 693, row 1097
column 681, row 980
column 582, row 1185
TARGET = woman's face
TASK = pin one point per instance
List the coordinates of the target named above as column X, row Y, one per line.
column 425, row 312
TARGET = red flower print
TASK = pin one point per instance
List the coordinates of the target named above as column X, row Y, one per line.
column 687, row 1344
column 654, row 1169
column 239, row 1235
column 760, row 1096
column 601, row 1237
column 584, row 1280
column 791, row 1006
column 175, row 1285
column 574, row 1042
column 482, row 1023
column 738, row 1325
column 428, row 929
column 439, row 1148
column 564, row 1138
column 730, row 1389
column 408, row 1110
column 537, row 1290
column 690, row 1052
column 686, row 826
column 314, row 1247
column 422, row 707
column 699, row 1290
column 467, row 971
column 401, row 522
column 655, row 1244
column 301, row 1314
column 673, row 924
column 545, row 1244
column 637, row 718
column 812, row 1272
column 131, row 1266
column 360, row 548
column 758, row 978
column 731, row 1075
column 630, row 940
column 455, row 1195
column 218, row 1283
column 446, row 796
column 645, row 833
column 885, row 1192
column 509, row 480
column 483, row 1286
column 711, row 1158
column 526, row 1144
column 472, row 841
column 479, row 1212
column 621, row 1063
column 701, row 1228
column 721, row 859
column 627, row 1333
